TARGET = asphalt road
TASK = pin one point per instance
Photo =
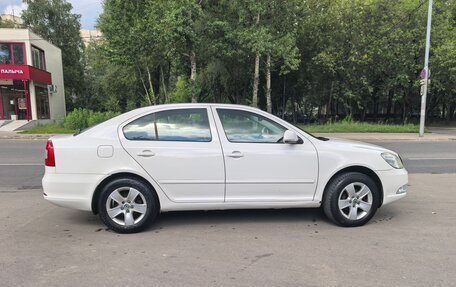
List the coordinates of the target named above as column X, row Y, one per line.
column 21, row 161
column 425, row 157
column 408, row 243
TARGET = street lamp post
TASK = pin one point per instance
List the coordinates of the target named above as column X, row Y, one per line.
column 425, row 72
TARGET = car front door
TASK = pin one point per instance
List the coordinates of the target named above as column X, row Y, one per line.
column 180, row 150
column 259, row 166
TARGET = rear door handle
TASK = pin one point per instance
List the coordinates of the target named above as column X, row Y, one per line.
column 235, row 154
column 145, row 153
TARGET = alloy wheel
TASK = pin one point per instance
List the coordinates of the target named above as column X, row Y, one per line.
column 126, row 206
column 355, row 201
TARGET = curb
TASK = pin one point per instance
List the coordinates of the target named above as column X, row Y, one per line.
column 15, row 136
column 390, row 137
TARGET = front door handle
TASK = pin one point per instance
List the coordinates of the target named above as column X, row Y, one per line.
column 235, row 154
column 146, row 153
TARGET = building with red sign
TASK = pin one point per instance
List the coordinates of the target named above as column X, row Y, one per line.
column 31, row 77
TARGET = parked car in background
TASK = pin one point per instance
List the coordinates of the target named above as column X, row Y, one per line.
column 215, row 156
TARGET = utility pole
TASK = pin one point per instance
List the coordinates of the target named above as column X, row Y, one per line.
column 425, row 71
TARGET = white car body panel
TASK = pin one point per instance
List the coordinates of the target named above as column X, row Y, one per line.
column 268, row 171
column 186, row 171
column 192, row 175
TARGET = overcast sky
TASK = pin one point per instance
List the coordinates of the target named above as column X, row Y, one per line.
column 89, row 10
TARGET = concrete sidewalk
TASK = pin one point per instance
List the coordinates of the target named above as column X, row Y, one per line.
column 435, row 136
column 15, row 135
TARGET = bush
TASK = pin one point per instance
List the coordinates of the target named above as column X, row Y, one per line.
column 77, row 119
column 83, row 118
column 99, row 117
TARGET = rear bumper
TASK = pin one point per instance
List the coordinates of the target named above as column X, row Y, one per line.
column 392, row 180
column 70, row 190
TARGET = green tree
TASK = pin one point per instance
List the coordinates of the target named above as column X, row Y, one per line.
column 54, row 21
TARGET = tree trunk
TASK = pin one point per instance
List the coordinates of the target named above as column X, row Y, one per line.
column 375, row 98
column 162, row 81
column 283, row 96
column 151, row 87
column 451, row 111
column 268, row 84
column 329, row 108
column 364, row 112
column 193, row 74
column 389, row 104
column 146, row 91
column 256, row 76
column 404, row 110
column 442, row 117
column 256, row 80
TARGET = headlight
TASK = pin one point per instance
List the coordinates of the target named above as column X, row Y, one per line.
column 393, row 160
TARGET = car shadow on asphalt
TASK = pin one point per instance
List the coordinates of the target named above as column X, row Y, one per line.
column 186, row 218
column 240, row 216
column 308, row 216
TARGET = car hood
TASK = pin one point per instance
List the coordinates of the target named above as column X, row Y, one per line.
column 358, row 145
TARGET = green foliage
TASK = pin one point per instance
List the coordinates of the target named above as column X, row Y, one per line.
column 77, row 119
column 56, row 128
column 182, row 92
column 54, row 21
column 83, row 118
column 99, row 117
column 357, row 127
column 329, row 58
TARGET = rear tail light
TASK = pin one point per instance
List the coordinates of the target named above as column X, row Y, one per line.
column 50, row 155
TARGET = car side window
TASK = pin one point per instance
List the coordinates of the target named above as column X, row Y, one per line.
column 172, row 125
column 142, row 129
column 183, row 125
column 247, row 127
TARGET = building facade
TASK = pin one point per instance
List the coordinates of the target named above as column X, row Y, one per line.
column 89, row 36
column 31, row 77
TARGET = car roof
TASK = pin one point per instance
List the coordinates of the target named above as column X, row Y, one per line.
column 183, row 105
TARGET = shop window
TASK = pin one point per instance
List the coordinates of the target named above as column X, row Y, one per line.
column 18, row 54
column 38, row 58
column 12, row 53
column 42, row 102
column 5, row 54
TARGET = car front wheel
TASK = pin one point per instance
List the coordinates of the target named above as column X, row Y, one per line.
column 351, row 199
column 127, row 205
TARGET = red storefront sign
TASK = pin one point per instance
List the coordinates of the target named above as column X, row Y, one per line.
column 24, row 72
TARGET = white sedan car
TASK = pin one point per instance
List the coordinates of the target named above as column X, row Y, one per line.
column 215, row 156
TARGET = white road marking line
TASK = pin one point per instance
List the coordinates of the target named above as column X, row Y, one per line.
column 21, row 164
column 431, row 158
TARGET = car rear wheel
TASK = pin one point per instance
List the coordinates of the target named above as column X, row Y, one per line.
column 351, row 199
column 127, row 205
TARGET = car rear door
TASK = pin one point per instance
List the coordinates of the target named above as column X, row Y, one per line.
column 179, row 148
column 259, row 166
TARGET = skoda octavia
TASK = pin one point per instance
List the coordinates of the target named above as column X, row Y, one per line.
column 215, row 156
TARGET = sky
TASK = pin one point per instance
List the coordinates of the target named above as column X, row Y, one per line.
column 89, row 10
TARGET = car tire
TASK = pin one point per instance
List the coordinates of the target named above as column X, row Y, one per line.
column 351, row 199
column 127, row 205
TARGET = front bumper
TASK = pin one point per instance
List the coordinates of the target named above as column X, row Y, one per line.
column 392, row 181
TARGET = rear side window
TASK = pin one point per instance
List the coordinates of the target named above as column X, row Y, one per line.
column 173, row 125
column 183, row 125
column 142, row 129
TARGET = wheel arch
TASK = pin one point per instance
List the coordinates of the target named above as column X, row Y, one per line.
column 102, row 184
column 361, row 169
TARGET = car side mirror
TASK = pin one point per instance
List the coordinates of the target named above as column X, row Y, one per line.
column 290, row 137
